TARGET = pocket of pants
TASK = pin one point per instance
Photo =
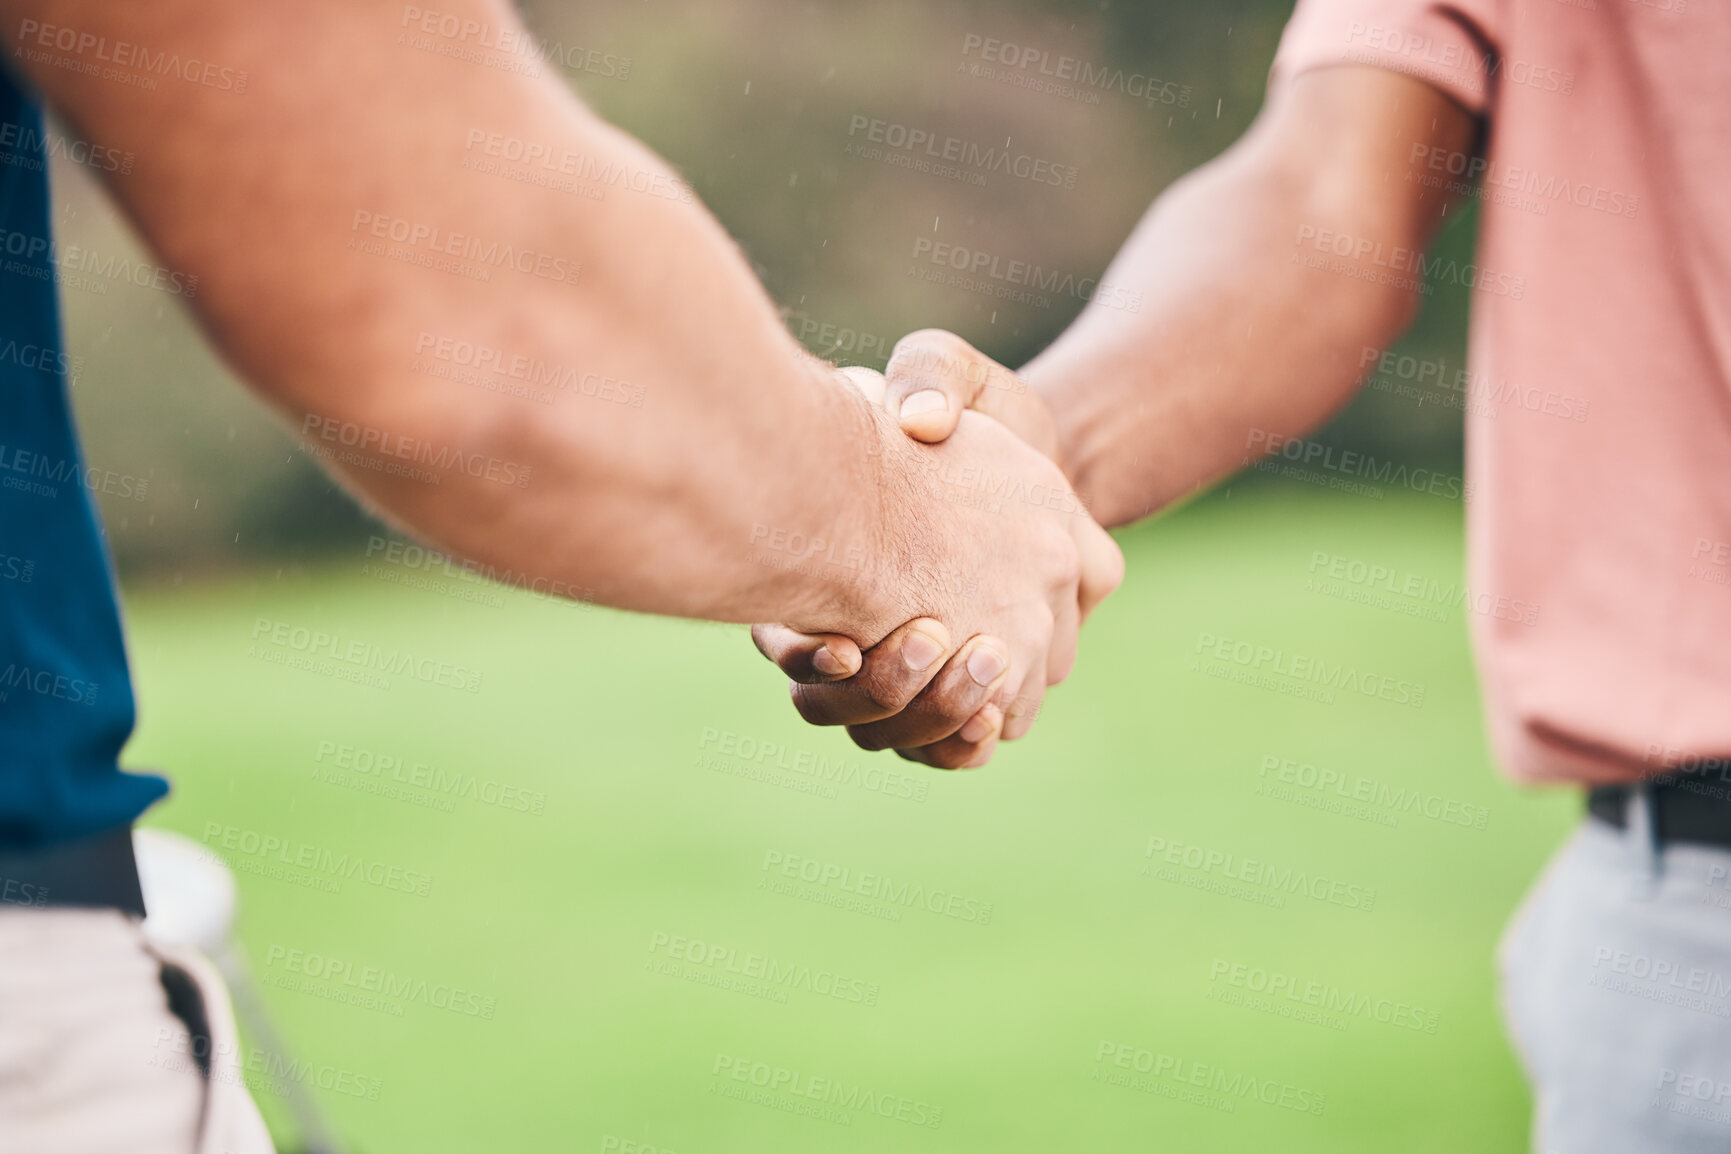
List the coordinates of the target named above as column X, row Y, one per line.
column 230, row 1122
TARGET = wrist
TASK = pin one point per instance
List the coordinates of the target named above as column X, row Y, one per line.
column 847, row 575
column 1078, row 448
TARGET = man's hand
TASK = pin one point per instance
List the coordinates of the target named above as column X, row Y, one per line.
column 953, row 718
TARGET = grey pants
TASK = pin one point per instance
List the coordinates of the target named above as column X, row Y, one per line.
column 1616, row 977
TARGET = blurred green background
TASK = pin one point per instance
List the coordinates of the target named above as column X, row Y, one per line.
column 643, row 734
column 561, row 921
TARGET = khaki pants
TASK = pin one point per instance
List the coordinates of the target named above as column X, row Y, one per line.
column 94, row 1060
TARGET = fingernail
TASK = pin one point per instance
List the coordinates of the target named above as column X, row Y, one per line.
column 985, row 665
column 924, row 401
column 827, row 663
column 976, row 730
column 919, row 651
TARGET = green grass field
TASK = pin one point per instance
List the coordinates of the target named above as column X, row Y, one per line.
column 561, row 922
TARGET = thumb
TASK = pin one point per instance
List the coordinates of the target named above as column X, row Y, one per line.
column 808, row 658
column 932, row 376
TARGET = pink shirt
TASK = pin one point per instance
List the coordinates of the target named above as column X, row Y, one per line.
column 1599, row 374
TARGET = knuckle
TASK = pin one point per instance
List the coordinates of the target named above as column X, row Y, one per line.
column 872, row 737
column 1060, row 558
column 1067, row 567
column 889, row 695
column 1021, row 710
column 1037, row 626
column 822, row 704
column 810, row 710
column 949, row 755
column 954, row 704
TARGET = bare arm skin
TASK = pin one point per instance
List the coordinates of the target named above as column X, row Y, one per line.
column 338, row 235
column 1235, row 339
column 1234, row 334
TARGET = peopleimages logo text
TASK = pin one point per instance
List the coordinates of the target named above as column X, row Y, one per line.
column 39, row 253
column 833, row 1092
column 766, row 969
column 31, row 143
column 876, row 886
column 1320, row 996
column 1071, row 69
column 1357, row 788
column 1308, row 668
column 1412, row 262
column 342, row 865
column 94, row 51
column 433, row 241
column 1256, row 872
column 1353, row 463
column 1231, row 1086
column 365, row 655
column 967, row 153
column 343, row 973
column 1026, row 274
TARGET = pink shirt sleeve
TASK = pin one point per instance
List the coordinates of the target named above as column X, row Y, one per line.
column 1451, row 46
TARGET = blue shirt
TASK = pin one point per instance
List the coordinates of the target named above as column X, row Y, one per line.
column 65, row 696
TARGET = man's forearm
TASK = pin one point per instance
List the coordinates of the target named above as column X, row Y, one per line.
column 410, row 253
column 1236, row 337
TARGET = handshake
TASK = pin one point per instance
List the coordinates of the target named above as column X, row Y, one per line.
column 981, row 563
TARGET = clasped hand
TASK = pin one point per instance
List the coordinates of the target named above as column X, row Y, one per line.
column 1000, row 559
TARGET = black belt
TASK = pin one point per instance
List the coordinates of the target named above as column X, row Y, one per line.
column 1686, row 807
column 97, row 871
